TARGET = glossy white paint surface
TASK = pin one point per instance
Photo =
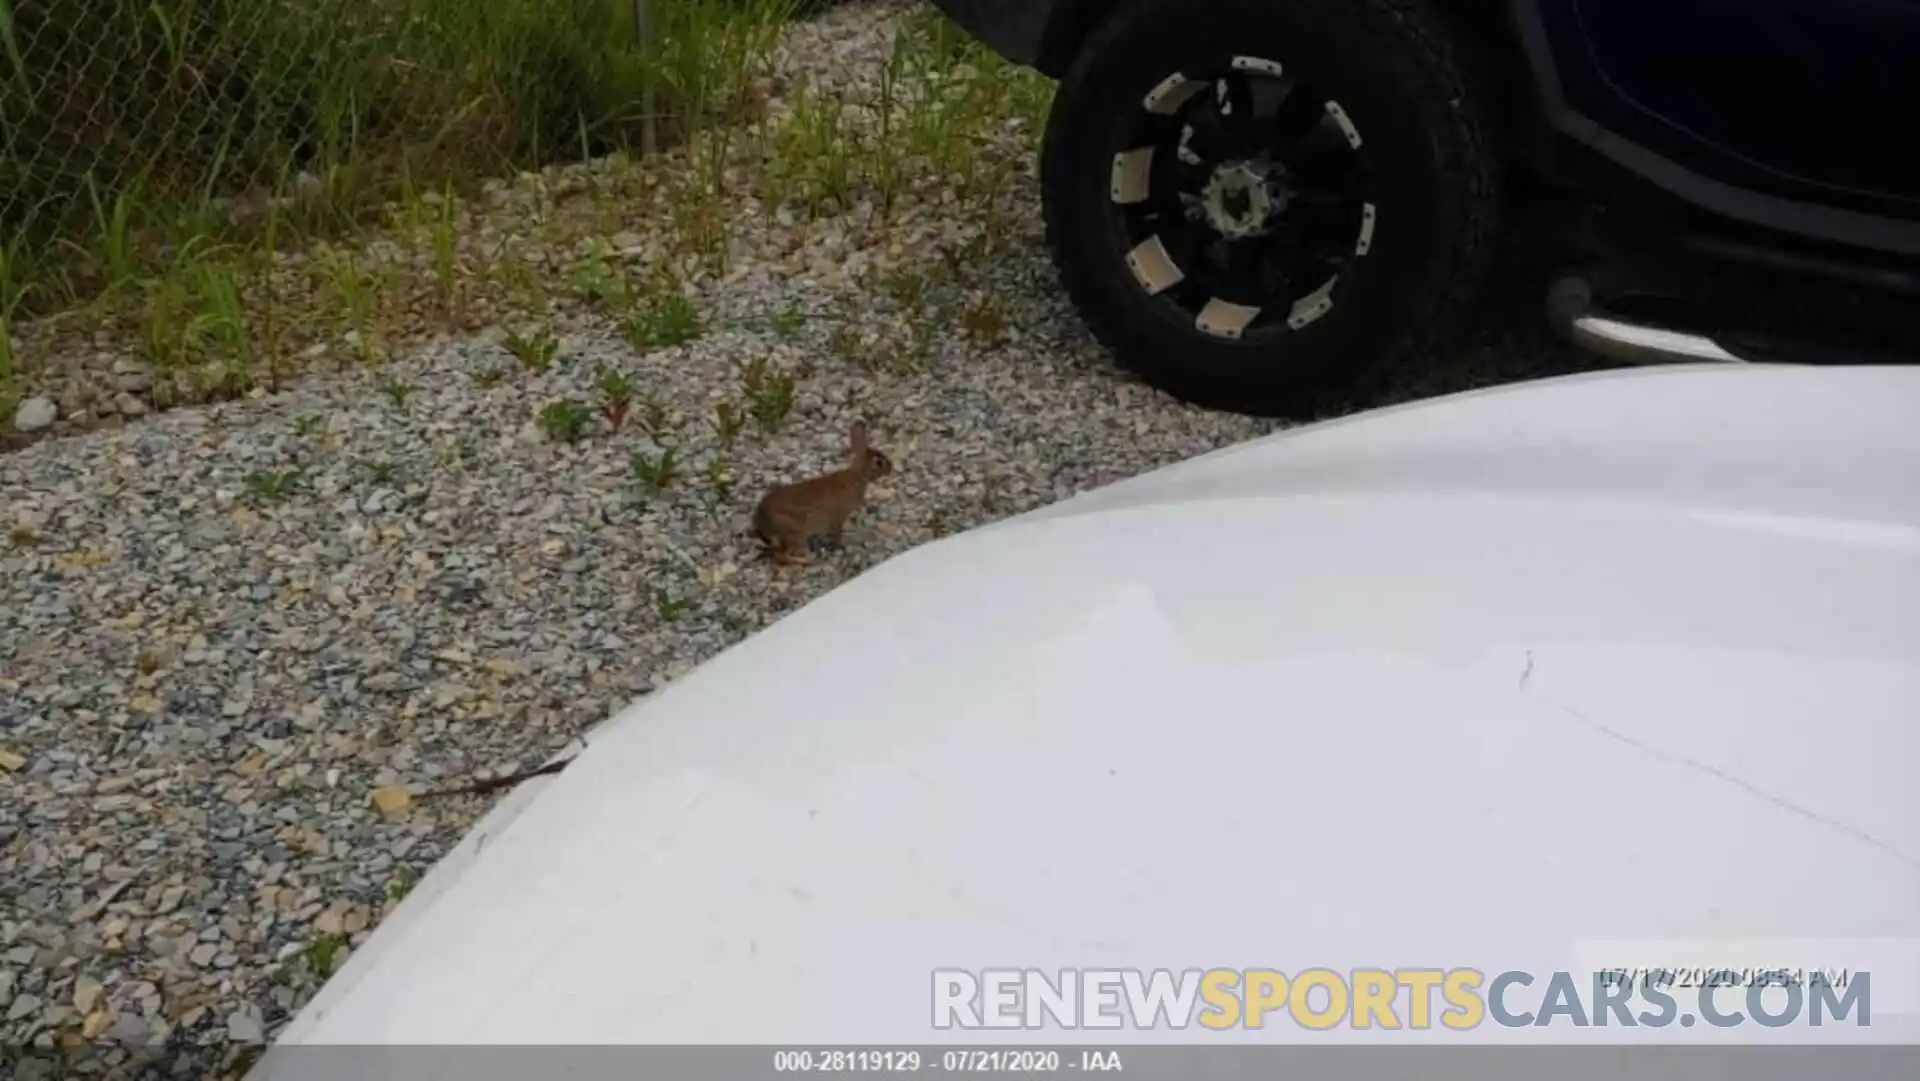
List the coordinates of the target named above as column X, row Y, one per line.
column 1483, row 681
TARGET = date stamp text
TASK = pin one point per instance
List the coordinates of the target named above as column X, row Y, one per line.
column 1704, row 976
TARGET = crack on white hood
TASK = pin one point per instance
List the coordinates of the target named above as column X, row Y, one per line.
column 1709, row 769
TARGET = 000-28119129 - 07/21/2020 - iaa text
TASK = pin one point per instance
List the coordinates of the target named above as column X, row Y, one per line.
column 946, row 1060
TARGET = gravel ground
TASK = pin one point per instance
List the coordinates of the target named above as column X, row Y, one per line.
column 223, row 629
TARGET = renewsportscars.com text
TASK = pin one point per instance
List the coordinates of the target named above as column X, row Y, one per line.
column 1460, row 999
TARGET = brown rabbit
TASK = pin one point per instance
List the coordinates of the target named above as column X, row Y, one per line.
column 791, row 515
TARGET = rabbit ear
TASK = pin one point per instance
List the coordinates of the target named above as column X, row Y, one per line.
column 859, row 440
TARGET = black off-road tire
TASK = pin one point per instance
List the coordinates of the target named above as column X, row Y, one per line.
column 1430, row 152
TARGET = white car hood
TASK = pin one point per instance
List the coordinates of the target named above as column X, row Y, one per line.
column 1482, row 681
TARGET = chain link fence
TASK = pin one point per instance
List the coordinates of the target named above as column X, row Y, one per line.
column 110, row 105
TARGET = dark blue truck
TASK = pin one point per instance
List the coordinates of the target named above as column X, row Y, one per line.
column 1260, row 204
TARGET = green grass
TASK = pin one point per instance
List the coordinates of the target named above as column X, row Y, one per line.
column 727, row 422
column 354, row 293
column 534, row 349
column 342, row 109
column 13, row 287
column 663, row 322
column 322, row 955
column 398, row 391
column 598, row 280
column 719, row 480
column 123, row 124
column 669, row 607
column 656, row 419
column 616, row 397
column 789, row 321
column 272, row 486
column 770, row 393
column 654, row 473
column 565, row 420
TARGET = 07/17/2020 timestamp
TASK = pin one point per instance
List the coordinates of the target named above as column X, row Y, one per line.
column 1702, row 976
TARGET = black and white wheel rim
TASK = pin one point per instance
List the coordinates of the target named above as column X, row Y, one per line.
column 1242, row 198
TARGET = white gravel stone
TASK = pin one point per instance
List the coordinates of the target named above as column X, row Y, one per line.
column 86, row 992
column 245, row 1026
column 132, row 375
column 35, row 414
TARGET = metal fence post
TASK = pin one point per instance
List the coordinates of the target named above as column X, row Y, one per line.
column 643, row 34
